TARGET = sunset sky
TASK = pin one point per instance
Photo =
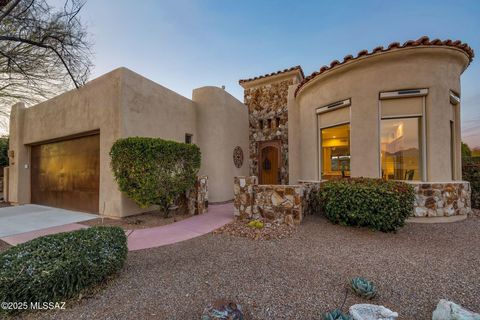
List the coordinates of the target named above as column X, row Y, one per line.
column 185, row 44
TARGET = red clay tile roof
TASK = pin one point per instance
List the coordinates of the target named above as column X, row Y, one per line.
column 423, row 41
column 273, row 74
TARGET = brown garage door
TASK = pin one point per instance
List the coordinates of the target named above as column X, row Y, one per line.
column 66, row 174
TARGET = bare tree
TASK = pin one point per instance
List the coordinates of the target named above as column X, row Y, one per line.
column 43, row 51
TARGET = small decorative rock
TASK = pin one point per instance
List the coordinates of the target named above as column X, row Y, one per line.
column 371, row 312
column 447, row 310
column 222, row 310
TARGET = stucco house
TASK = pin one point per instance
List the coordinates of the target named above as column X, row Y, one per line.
column 391, row 113
column 59, row 149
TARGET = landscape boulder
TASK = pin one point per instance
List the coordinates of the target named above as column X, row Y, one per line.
column 371, row 312
column 448, row 310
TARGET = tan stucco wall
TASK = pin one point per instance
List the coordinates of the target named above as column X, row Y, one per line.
column 293, row 137
column 361, row 80
column 92, row 107
column 151, row 110
column 222, row 123
column 122, row 104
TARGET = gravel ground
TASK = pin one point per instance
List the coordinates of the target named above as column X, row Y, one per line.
column 294, row 278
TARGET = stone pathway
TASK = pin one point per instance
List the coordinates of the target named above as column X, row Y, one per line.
column 216, row 217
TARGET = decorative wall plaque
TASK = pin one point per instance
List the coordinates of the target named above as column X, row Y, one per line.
column 238, row 157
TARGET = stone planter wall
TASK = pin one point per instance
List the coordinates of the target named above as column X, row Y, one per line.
column 310, row 187
column 290, row 203
column 437, row 199
column 243, row 196
column 197, row 199
column 272, row 203
column 278, row 203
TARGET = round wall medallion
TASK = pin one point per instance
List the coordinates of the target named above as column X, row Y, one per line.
column 238, row 157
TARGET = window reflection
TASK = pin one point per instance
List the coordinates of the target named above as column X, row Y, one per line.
column 400, row 149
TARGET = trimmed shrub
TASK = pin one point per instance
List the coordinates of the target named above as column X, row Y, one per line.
column 374, row 203
column 57, row 267
column 471, row 173
column 152, row 171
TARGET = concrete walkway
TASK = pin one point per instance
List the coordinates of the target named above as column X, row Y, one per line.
column 216, row 217
column 31, row 217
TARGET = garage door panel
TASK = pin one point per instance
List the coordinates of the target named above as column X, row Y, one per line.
column 66, row 174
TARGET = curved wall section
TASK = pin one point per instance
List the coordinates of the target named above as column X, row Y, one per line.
column 437, row 69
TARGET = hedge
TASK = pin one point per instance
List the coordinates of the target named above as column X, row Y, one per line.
column 471, row 173
column 374, row 203
column 152, row 171
column 57, row 267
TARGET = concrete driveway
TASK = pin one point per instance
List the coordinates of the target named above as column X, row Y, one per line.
column 31, row 217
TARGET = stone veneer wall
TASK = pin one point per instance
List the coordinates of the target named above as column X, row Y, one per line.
column 310, row 188
column 441, row 199
column 268, row 102
column 273, row 203
column 290, row 203
column 197, row 199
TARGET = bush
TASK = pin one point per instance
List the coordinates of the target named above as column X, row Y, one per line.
column 152, row 171
column 375, row 203
column 57, row 267
column 471, row 173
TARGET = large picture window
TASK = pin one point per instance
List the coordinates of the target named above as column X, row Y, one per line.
column 400, row 149
column 335, row 151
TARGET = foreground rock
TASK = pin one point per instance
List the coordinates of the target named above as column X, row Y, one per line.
column 447, row 310
column 222, row 310
column 371, row 312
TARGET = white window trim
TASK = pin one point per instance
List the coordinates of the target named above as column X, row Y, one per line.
column 407, row 93
column 334, row 106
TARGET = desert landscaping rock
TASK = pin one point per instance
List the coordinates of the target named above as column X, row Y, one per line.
column 223, row 310
column 270, row 231
column 295, row 278
column 448, row 310
column 371, row 312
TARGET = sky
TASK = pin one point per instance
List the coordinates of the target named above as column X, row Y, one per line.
column 186, row 44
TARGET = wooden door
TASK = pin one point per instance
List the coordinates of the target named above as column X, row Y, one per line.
column 66, row 174
column 269, row 164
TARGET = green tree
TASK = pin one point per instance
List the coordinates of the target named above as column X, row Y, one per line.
column 44, row 50
column 466, row 152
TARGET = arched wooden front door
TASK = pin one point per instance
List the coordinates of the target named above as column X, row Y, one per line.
column 269, row 166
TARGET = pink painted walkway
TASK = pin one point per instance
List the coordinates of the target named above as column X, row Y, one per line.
column 216, row 217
